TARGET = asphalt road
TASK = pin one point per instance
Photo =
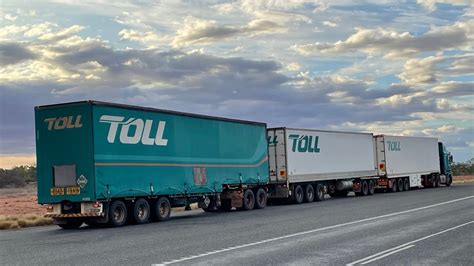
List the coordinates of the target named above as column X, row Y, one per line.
column 429, row 226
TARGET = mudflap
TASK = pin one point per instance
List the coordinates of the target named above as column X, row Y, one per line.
column 383, row 183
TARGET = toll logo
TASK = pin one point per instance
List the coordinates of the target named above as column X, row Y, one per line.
column 60, row 123
column 272, row 140
column 394, row 145
column 135, row 130
column 304, row 143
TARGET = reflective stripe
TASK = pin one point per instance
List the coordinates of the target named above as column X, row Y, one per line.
column 74, row 215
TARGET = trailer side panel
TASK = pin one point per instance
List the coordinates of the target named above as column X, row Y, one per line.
column 324, row 155
column 406, row 156
column 140, row 152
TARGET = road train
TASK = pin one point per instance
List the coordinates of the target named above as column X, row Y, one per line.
column 105, row 163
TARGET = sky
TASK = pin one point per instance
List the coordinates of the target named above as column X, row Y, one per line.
column 385, row 67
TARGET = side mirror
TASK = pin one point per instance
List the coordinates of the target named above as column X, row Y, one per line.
column 450, row 158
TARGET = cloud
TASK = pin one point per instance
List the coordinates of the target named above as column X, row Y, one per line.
column 62, row 34
column 147, row 37
column 454, row 88
column 433, row 69
column 293, row 66
column 13, row 53
column 421, row 71
column 198, row 31
column 431, row 5
column 393, row 44
column 329, row 24
column 10, row 17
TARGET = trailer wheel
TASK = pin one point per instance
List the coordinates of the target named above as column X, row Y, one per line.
column 298, row 194
column 394, row 185
column 400, row 184
column 365, row 188
column 319, row 192
column 309, row 193
column 371, row 187
column 406, row 184
column 70, row 224
column 449, row 180
column 163, row 209
column 261, row 199
column 248, row 200
column 117, row 213
column 141, row 211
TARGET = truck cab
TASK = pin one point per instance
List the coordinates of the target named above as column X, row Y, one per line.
column 445, row 162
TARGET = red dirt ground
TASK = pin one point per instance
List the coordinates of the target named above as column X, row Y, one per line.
column 17, row 201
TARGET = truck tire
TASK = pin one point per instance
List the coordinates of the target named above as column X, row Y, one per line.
column 248, row 202
column 449, row 180
column 298, row 194
column 309, row 193
column 394, row 185
column 261, row 199
column 71, row 224
column 319, row 195
column 117, row 213
column 437, row 178
column 365, row 188
column 400, row 184
column 141, row 211
column 163, row 209
column 406, row 184
column 371, row 187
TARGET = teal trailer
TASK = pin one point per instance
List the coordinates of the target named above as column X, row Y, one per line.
column 101, row 162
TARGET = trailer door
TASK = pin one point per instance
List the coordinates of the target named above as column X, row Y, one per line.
column 277, row 155
column 380, row 155
column 64, row 153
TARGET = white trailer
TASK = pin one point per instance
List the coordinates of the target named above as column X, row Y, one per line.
column 407, row 162
column 305, row 164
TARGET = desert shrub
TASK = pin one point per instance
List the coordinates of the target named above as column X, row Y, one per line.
column 464, row 168
column 7, row 224
column 17, row 176
column 22, row 223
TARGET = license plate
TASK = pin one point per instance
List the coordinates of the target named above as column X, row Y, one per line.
column 73, row 190
column 57, row 191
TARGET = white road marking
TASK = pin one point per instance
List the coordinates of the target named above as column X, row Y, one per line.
column 400, row 247
column 308, row 232
column 387, row 254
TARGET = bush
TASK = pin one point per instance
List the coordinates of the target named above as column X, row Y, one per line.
column 17, row 176
column 466, row 168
